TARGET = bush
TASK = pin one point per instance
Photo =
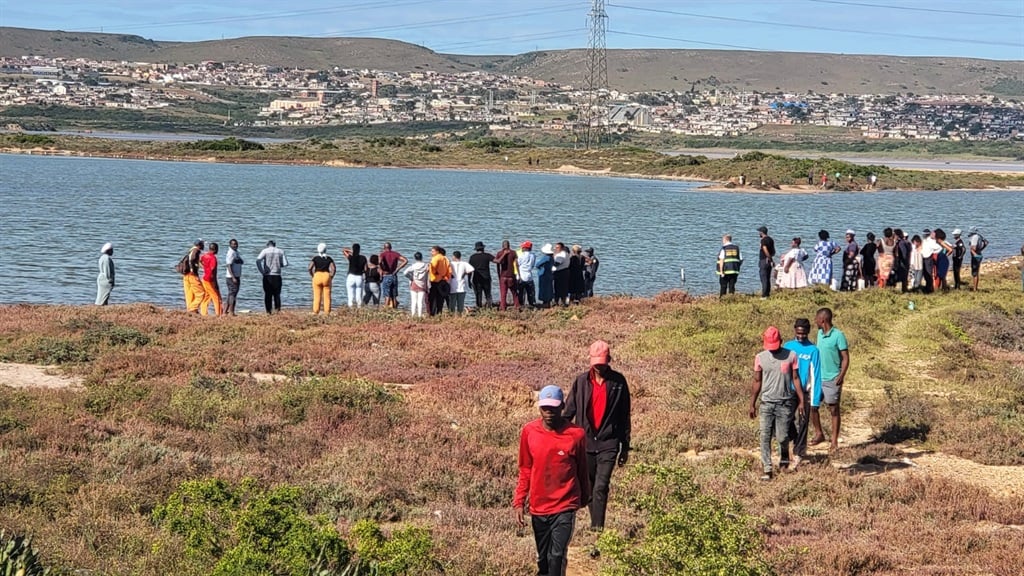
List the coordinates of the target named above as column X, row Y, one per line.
column 248, row 530
column 902, row 416
column 230, row 144
column 409, row 550
column 687, row 532
column 18, row 557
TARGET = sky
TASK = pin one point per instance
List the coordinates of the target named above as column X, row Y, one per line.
column 992, row 29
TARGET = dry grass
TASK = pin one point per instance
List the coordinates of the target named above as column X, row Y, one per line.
column 171, row 397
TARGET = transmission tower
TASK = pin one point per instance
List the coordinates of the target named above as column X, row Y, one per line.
column 597, row 73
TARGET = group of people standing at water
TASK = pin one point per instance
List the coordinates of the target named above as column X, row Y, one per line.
column 918, row 263
column 557, row 276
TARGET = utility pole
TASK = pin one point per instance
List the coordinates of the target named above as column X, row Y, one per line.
column 597, row 73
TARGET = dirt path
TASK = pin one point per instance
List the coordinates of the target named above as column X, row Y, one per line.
column 33, row 376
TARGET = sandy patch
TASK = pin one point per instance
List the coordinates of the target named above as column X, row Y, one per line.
column 33, row 376
column 570, row 169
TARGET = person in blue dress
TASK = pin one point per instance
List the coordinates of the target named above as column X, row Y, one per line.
column 545, row 278
column 821, row 270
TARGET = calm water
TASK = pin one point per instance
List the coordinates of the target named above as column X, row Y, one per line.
column 56, row 212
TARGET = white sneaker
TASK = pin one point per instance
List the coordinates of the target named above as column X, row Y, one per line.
column 795, row 463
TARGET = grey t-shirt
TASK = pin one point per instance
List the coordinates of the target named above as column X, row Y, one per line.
column 776, row 374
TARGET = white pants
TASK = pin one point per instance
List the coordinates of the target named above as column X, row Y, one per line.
column 417, row 301
column 354, row 284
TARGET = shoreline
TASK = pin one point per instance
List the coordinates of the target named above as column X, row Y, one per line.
column 564, row 169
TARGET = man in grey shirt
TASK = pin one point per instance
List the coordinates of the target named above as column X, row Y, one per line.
column 233, row 275
column 777, row 383
column 270, row 262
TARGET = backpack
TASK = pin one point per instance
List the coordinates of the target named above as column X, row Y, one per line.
column 982, row 244
column 184, row 267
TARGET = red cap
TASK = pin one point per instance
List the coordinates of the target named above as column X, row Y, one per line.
column 772, row 339
column 600, row 353
column 527, row 245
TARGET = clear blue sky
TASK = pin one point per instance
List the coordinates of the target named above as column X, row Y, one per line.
column 974, row 28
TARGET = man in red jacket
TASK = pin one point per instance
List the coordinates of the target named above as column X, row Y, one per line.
column 553, row 473
column 599, row 402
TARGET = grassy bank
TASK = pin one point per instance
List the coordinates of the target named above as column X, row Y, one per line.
column 158, row 464
column 487, row 153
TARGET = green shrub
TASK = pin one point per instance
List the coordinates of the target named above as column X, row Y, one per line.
column 18, row 557
column 687, row 532
column 251, row 531
column 355, row 396
column 230, row 144
column 409, row 550
column 902, row 415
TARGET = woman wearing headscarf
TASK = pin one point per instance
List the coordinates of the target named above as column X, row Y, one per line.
column 105, row 280
column 322, row 270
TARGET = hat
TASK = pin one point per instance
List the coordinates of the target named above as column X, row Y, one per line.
column 551, row 396
column 198, row 242
column 526, row 245
column 772, row 339
column 321, row 248
column 956, row 232
column 106, row 248
column 479, row 246
column 590, row 250
column 850, row 231
column 762, row 229
column 927, row 231
column 973, row 230
column 600, row 353
column 547, row 249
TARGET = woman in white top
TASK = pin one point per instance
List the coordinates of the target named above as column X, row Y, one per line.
column 418, row 275
column 791, row 267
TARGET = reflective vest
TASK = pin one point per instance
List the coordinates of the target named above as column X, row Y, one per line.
column 731, row 261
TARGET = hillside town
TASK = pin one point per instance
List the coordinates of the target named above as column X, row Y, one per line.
column 339, row 96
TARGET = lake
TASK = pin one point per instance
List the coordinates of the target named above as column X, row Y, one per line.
column 56, row 212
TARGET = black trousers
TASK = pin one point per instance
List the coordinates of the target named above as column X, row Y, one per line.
column 527, row 293
column 272, row 292
column 764, row 269
column 438, row 297
column 727, row 283
column 928, row 273
column 482, row 290
column 798, row 430
column 957, row 265
column 599, row 468
column 552, row 534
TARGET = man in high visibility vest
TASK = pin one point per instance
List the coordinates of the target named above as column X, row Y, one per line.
column 729, row 261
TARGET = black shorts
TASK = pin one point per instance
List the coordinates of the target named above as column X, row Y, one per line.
column 975, row 265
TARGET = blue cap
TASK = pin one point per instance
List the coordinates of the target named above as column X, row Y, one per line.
column 552, row 396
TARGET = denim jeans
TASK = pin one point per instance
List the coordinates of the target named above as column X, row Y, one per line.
column 354, row 284
column 775, row 420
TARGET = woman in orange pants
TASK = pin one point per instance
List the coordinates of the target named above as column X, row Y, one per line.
column 211, row 290
column 322, row 269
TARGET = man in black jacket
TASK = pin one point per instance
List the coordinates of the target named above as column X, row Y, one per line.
column 599, row 403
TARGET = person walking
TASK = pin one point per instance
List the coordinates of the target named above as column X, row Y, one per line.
column 440, row 280
column 599, row 402
column 506, row 260
column 105, row 278
column 232, row 276
column 190, row 277
column 777, row 385
column 461, row 274
column 481, row 263
column 526, row 260
column 322, row 270
column 765, row 261
column 553, row 478
column 809, row 366
column 419, row 276
column 211, row 288
column 391, row 263
column 355, row 280
column 835, row 360
column 729, row 262
column 270, row 262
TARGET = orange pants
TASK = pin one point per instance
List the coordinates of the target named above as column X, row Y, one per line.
column 193, row 292
column 211, row 294
column 321, row 292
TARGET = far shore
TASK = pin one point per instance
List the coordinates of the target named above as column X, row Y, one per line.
column 564, row 169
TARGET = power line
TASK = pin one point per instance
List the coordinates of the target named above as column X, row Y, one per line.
column 686, row 40
column 913, row 9
column 462, row 20
column 268, row 15
column 466, row 44
column 818, row 28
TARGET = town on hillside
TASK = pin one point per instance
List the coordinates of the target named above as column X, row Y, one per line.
column 341, row 96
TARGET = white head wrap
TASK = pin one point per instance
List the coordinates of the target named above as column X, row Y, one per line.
column 321, row 249
column 107, row 248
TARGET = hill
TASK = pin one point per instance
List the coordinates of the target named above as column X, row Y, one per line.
column 628, row 70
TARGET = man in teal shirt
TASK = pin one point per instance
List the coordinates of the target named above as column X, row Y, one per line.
column 809, row 365
column 835, row 360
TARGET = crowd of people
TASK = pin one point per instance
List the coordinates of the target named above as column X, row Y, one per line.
column 559, row 275
column 919, row 263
